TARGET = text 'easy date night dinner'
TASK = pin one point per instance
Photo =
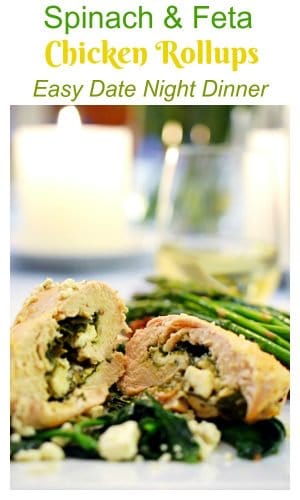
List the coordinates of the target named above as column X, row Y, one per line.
column 162, row 89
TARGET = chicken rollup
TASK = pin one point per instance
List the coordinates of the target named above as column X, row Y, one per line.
column 188, row 363
column 63, row 352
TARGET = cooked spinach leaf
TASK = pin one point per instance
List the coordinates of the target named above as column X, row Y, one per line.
column 161, row 431
column 71, row 326
column 75, row 451
column 29, row 443
column 78, row 441
column 121, row 348
column 162, row 427
column 195, row 350
column 158, row 427
column 116, row 400
column 253, row 441
column 233, row 407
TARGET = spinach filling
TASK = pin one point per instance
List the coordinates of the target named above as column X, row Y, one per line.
column 194, row 350
column 68, row 369
column 229, row 405
column 232, row 407
column 71, row 326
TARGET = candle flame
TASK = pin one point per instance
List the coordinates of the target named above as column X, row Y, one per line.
column 69, row 119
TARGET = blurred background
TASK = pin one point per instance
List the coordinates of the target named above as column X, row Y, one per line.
column 119, row 193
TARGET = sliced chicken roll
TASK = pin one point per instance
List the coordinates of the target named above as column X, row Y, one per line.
column 63, row 352
column 187, row 363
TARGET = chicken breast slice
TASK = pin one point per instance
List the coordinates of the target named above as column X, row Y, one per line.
column 57, row 374
column 241, row 365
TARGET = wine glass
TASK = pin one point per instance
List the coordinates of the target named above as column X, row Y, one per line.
column 216, row 218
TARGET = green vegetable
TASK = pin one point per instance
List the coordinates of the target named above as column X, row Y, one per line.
column 158, row 427
column 253, row 441
column 195, row 350
column 71, row 326
column 121, row 348
column 29, row 443
column 266, row 326
column 233, row 406
column 79, row 440
column 161, row 431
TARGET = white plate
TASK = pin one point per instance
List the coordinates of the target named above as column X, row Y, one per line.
column 215, row 473
column 138, row 247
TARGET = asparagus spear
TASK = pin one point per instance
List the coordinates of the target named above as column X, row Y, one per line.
column 281, row 330
column 258, row 315
column 243, row 321
column 267, row 326
column 267, row 344
column 253, row 320
column 171, row 284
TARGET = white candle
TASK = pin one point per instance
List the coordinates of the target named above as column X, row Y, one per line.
column 72, row 183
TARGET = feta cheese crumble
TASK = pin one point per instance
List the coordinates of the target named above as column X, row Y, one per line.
column 120, row 442
column 47, row 451
column 206, row 434
column 201, row 381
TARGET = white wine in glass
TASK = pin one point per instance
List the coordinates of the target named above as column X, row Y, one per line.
column 203, row 231
column 251, row 270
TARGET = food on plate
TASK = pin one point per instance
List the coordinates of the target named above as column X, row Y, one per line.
column 64, row 352
column 266, row 326
column 182, row 379
column 186, row 362
column 141, row 429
